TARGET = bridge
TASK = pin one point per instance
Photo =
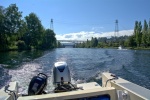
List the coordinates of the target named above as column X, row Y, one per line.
column 69, row 43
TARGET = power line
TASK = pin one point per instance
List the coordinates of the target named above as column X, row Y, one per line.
column 79, row 23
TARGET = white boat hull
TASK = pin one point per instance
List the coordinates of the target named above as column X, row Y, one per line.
column 115, row 88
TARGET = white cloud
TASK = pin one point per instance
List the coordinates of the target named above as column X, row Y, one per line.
column 83, row 35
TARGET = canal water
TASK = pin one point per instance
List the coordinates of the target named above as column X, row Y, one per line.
column 86, row 64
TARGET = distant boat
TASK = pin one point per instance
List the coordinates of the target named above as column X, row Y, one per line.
column 121, row 48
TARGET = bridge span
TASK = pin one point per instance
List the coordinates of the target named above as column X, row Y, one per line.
column 69, row 43
column 73, row 41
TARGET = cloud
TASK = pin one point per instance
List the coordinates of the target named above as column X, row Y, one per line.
column 68, row 36
column 84, row 35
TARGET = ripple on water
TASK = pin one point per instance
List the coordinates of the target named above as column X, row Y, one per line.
column 4, row 76
column 24, row 74
column 86, row 65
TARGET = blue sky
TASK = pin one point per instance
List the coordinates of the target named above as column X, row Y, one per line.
column 85, row 16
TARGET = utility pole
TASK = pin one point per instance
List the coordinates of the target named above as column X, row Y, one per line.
column 51, row 25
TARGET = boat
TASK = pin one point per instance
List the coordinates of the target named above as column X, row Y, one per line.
column 112, row 88
column 121, row 48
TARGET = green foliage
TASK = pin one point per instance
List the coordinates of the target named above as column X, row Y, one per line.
column 94, row 42
column 142, row 36
column 138, row 33
column 12, row 19
column 48, row 39
column 22, row 34
column 145, row 34
column 21, row 45
column 3, row 35
column 139, row 40
column 58, row 44
column 148, row 35
column 131, row 41
column 34, row 29
column 103, row 42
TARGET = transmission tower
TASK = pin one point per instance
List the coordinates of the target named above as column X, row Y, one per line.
column 116, row 28
column 51, row 25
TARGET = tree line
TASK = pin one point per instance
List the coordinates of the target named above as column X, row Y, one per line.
column 103, row 42
column 139, row 39
column 18, row 33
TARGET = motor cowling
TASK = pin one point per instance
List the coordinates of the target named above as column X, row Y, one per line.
column 61, row 73
column 37, row 84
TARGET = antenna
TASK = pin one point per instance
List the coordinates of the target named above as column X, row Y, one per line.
column 116, row 28
column 51, row 25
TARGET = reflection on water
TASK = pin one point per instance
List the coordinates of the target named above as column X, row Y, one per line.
column 13, row 59
column 85, row 65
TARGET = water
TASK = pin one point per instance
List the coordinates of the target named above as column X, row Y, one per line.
column 85, row 65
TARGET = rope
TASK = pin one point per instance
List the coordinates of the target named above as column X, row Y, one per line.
column 12, row 93
column 113, row 75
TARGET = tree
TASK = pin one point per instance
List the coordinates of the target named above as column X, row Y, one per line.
column 13, row 19
column 3, row 36
column 138, row 33
column 23, row 33
column 12, row 24
column 58, row 44
column 34, row 29
column 22, row 30
column 145, row 34
column 21, row 45
column 131, row 41
column 49, row 40
column 148, row 35
column 87, row 44
column 94, row 42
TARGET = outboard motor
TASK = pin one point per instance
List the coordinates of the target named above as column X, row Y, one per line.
column 61, row 73
column 61, row 77
column 37, row 84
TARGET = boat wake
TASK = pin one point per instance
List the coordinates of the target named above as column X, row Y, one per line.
column 24, row 75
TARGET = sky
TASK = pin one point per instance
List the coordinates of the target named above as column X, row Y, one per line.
column 83, row 19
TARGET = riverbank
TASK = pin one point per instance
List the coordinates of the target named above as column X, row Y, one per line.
column 132, row 48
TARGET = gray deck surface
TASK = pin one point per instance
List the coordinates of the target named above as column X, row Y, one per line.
column 138, row 89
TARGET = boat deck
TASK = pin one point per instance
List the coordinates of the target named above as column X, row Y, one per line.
column 113, row 90
column 135, row 91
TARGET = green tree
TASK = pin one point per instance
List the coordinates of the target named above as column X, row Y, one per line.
column 94, row 42
column 131, row 41
column 58, row 44
column 21, row 45
column 12, row 23
column 49, row 40
column 34, row 30
column 3, row 36
column 52, row 38
column 148, row 35
column 22, row 30
column 13, row 19
column 138, row 33
column 87, row 43
column 24, row 33
column 145, row 34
